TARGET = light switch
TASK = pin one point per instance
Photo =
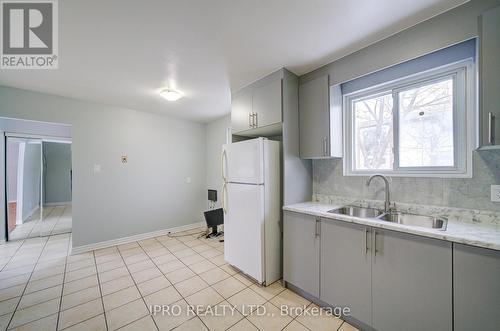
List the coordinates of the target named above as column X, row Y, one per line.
column 495, row 193
column 97, row 168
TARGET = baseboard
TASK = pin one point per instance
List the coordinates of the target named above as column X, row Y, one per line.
column 62, row 203
column 126, row 240
column 19, row 221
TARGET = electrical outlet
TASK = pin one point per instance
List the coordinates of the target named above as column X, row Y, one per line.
column 495, row 193
column 188, row 180
column 97, row 168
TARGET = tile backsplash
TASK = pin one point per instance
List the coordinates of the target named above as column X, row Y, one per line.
column 471, row 193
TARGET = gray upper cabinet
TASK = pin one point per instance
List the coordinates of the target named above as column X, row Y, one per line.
column 411, row 282
column 489, row 23
column 346, row 268
column 476, row 288
column 301, row 246
column 257, row 110
column 314, row 119
column 267, row 104
column 320, row 119
column 241, row 111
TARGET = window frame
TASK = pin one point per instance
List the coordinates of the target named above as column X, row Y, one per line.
column 462, row 73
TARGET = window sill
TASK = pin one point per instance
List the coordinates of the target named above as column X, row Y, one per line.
column 409, row 174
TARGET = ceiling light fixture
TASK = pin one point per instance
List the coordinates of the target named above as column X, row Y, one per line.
column 170, row 95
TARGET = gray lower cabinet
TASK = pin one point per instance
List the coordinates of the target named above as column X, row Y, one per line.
column 301, row 251
column 411, row 282
column 476, row 273
column 346, row 268
column 392, row 281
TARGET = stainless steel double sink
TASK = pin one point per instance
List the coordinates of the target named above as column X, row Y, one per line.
column 393, row 217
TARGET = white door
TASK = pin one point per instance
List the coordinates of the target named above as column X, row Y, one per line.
column 243, row 162
column 244, row 228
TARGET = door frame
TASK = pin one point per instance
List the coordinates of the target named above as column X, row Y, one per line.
column 42, row 138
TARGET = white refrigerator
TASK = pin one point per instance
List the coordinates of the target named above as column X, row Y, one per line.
column 251, row 199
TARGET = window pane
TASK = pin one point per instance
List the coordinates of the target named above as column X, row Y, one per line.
column 373, row 132
column 426, row 125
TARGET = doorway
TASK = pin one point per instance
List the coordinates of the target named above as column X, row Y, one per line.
column 38, row 187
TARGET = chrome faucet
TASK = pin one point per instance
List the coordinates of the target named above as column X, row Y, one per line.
column 387, row 205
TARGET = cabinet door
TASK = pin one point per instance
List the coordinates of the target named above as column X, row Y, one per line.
column 490, row 76
column 314, row 118
column 267, row 103
column 476, row 287
column 346, row 267
column 241, row 108
column 411, row 282
column 301, row 252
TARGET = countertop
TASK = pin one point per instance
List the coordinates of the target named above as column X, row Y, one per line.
column 486, row 236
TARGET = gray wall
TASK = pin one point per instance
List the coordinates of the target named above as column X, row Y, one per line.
column 57, row 172
column 31, row 178
column 148, row 193
column 12, row 162
column 473, row 193
column 216, row 137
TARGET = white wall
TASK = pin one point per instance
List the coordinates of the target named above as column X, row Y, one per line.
column 449, row 28
column 216, row 136
column 148, row 193
column 31, row 178
column 57, row 172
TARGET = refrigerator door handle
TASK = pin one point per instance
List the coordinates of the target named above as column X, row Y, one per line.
column 223, row 157
column 223, row 198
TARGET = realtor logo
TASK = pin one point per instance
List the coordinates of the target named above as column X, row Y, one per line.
column 29, row 34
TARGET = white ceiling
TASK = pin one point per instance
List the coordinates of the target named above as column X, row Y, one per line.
column 121, row 52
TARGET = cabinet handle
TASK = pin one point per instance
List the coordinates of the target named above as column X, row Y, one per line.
column 255, row 123
column 366, row 241
column 325, row 146
column 250, row 120
column 375, row 241
column 317, row 228
column 491, row 135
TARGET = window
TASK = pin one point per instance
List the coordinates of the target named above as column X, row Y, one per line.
column 415, row 126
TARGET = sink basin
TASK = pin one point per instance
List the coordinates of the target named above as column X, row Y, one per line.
column 415, row 220
column 357, row 211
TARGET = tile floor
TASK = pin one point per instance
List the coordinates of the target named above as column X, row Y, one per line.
column 56, row 220
column 44, row 288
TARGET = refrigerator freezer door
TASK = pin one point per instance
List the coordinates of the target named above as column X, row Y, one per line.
column 243, row 162
column 244, row 229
